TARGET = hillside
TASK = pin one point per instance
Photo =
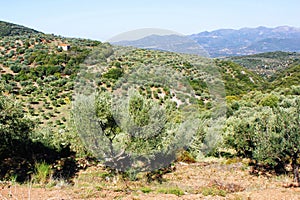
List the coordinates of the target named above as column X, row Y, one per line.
column 43, row 78
column 10, row 29
column 239, row 80
column 267, row 64
column 41, row 75
column 286, row 78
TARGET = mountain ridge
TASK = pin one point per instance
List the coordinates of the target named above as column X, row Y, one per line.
column 246, row 41
column 230, row 42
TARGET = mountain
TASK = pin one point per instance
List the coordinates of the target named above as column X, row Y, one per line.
column 170, row 43
column 225, row 42
column 10, row 29
column 245, row 41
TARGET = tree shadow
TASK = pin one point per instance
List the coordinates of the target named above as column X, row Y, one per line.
column 19, row 158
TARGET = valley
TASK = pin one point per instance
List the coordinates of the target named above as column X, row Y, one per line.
column 84, row 119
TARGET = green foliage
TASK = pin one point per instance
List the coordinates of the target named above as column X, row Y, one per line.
column 239, row 80
column 16, row 68
column 286, row 78
column 59, row 139
column 136, row 132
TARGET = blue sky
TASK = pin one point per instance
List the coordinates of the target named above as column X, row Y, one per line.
column 97, row 19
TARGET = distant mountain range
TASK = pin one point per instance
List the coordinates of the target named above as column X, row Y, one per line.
column 226, row 42
column 170, row 43
column 245, row 41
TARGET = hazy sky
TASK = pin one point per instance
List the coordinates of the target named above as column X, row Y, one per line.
column 102, row 20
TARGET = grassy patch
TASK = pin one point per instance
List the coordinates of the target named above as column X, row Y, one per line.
column 213, row 191
column 175, row 191
column 42, row 173
column 146, row 190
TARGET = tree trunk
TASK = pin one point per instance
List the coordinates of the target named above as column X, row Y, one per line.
column 295, row 168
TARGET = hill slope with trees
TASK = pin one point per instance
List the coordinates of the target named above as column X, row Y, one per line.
column 267, row 64
column 10, row 29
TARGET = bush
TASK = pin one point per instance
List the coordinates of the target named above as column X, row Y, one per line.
column 146, row 190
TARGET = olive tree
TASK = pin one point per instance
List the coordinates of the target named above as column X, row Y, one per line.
column 270, row 135
column 131, row 134
column 15, row 127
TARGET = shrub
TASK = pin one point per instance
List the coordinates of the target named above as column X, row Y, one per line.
column 138, row 131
